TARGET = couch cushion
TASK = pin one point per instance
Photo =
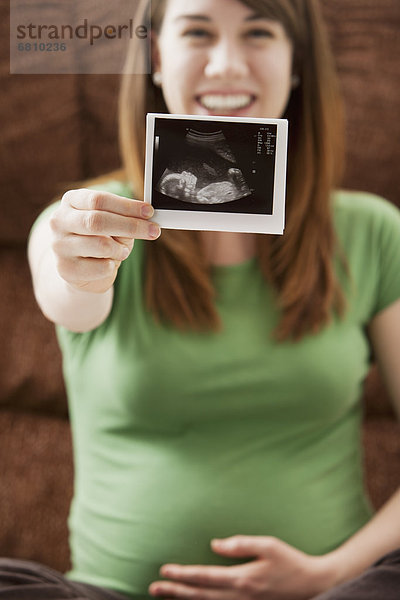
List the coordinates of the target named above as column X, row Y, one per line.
column 30, row 360
column 99, row 96
column 366, row 42
column 36, row 488
column 40, row 150
column 56, row 130
column 381, row 437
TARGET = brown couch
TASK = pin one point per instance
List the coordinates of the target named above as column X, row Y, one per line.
column 61, row 129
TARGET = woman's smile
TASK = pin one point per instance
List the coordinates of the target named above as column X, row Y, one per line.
column 228, row 102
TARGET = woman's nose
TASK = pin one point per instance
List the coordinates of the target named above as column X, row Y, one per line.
column 226, row 59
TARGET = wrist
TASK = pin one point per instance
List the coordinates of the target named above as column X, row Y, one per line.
column 337, row 567
column 329, row 573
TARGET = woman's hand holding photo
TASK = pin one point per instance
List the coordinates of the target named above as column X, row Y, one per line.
column 75, row 254
column 93, row 232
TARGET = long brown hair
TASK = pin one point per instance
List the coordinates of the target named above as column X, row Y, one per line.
column 300, row 264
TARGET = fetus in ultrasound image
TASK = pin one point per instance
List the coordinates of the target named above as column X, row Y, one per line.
column 205, row 173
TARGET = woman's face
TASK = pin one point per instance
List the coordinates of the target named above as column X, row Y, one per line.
column 221, row 58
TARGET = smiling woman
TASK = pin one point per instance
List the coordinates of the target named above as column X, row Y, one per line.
column 293, row 48
column 214, row 379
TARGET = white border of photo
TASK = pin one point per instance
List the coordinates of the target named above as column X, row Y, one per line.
column 223, row 221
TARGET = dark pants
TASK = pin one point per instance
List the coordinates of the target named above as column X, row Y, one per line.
column 25, row 580
column 379, row 582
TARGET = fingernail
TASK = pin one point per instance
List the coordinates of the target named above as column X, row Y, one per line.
column 220, row 542
column 156, row 592
column 147, row 210
column 154, row 231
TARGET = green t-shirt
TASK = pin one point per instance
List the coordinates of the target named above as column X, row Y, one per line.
column 182, row 437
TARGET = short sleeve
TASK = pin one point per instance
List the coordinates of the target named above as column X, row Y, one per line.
column 368, row 231
column 388, row 288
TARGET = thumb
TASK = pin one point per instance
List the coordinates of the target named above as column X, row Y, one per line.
column 242, row 546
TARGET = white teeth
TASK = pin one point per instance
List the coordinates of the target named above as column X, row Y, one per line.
column 225, row 101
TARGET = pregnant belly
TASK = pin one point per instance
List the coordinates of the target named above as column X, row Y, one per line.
column 170, row 512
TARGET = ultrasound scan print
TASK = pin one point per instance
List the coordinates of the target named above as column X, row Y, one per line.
column 208, row 173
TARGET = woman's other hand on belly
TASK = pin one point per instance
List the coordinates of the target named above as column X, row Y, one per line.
column 277, row 571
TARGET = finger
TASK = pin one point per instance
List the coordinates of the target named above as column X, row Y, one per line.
column 91, row 246
column 201, row 575
column 103, row 223
column 86, row 269
column 241, row 546
column 85, row 199
column 169, row 589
